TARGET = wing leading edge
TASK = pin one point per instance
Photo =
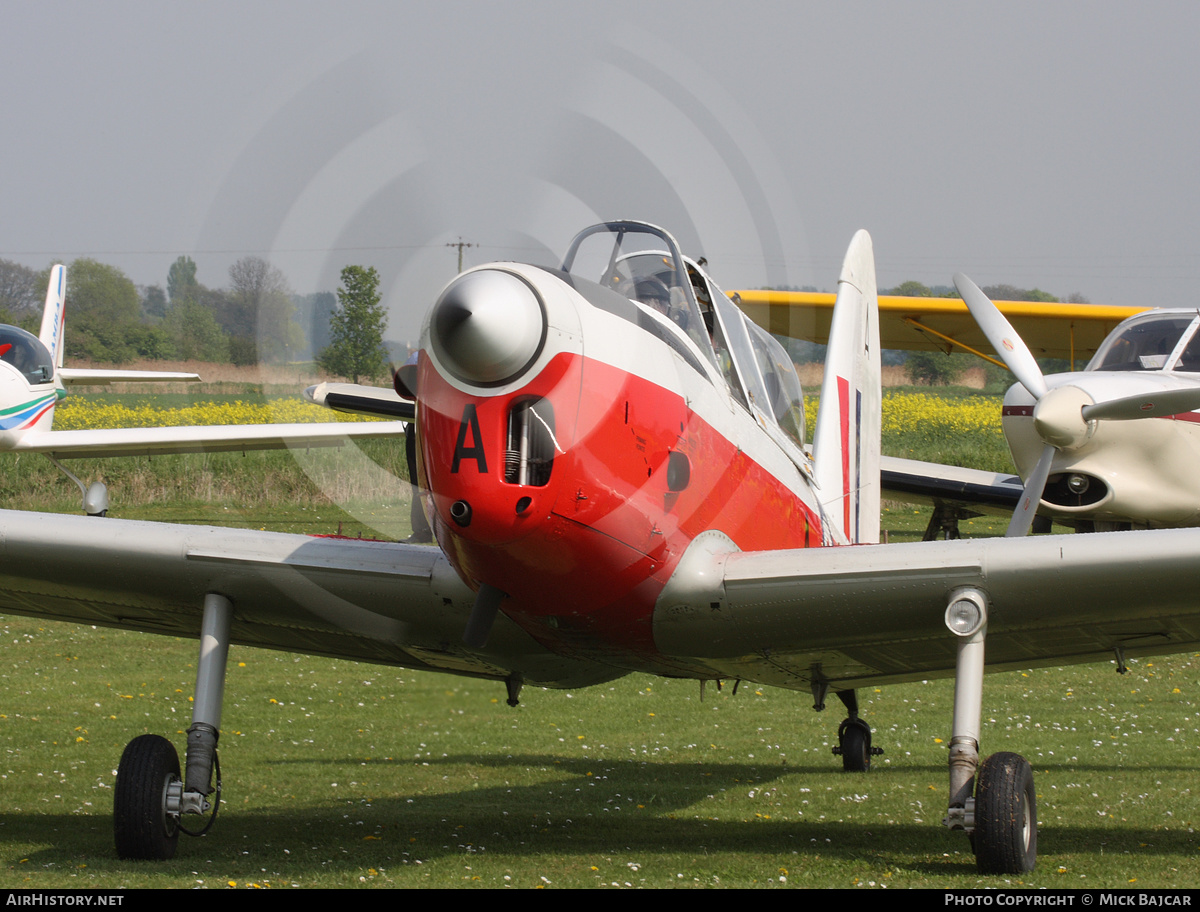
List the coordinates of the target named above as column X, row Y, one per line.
column 848, row 617
column 851, row 617
column 159, row 441
column 380, row 602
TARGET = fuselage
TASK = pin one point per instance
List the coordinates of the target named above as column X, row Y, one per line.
column 1138, row 472
column 574, row 473
column 28, row 388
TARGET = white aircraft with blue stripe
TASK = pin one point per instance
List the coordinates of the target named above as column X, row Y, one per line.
column 33, row 380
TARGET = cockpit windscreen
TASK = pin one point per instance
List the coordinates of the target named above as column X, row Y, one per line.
column 1147, row 344
column 27, row 354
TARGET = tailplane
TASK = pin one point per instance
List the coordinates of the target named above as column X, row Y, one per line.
column 846, row 442
column 53, row 319
column 51, row 336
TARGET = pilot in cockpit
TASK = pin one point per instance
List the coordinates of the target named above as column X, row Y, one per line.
column 650, row 291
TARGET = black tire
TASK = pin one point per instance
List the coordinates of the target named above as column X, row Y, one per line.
column 141, row 827
column 856, row 749
column 1005, row 838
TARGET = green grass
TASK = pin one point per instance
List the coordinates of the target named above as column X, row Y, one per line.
column 339, row 774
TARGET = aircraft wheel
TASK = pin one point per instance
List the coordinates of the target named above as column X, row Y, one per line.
column 855, row 742
column 141, row 826
column 1005, row 838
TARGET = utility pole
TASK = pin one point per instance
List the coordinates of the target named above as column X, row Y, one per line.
column 460, row 244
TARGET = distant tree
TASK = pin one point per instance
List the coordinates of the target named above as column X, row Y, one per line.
column 935, row 368
column 151, row 342
column 20, row 292
column 910, row 289
column 103, row 307
column 181, row 278
column 261, row 310
column 1012, row 293
column 154, row 302
column 195, row 333
column 356, row 328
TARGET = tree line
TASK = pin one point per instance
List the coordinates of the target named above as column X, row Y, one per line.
column 259, row 319
column 256, row 319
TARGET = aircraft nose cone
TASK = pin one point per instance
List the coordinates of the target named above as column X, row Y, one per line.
column 487, row 327
column 1058, row 417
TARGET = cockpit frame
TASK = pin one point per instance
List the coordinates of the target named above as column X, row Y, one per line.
column 756, row 369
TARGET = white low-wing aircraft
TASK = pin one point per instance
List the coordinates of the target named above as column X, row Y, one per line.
column 1116, row 444
column 613, row 463
column 33, row 380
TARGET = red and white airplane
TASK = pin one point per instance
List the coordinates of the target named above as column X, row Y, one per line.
column 33, row 380
column 613, row 462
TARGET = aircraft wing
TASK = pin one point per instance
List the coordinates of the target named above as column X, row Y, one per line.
column 74, row 376
column 380, row 602
column 873, row 614
column 912, row 481
column 158, row 441
column 846, row 617
column 941, row 324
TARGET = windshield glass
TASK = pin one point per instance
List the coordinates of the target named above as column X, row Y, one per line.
column 28, row 355
column 1144, row 344
column 785, row 398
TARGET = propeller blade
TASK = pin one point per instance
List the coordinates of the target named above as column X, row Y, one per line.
column 1008, row 345
column 361, row 400
column 404, row 380
column 1146, row 405
column 1034, row 486
column 483, row 616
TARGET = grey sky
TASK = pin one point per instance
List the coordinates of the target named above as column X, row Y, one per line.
column 1042, row 144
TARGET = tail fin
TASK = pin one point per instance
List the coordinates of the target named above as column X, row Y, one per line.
column 53, row 320
column 846, row 441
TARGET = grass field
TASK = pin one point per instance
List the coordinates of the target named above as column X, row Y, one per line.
column 340, row 774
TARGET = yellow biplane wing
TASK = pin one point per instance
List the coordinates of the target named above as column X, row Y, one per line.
column 1069, row 331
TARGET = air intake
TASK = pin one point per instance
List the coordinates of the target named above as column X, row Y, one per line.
column 529, row 453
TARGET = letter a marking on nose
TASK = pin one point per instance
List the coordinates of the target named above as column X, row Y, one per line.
column 470, row 421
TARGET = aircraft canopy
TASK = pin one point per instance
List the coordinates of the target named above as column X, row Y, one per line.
column 27, row 354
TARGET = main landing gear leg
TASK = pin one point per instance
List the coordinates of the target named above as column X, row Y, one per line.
column 993, row 802
column 854, row 737
column 150, row 798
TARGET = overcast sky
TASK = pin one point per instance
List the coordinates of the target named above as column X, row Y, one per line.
column 1041, row 144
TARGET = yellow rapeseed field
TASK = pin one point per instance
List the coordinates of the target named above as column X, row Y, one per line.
column 904, row 412
column 930, row 414
column 83, row 414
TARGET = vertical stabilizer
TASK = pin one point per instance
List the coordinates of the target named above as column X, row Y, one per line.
column 846, row 441
column 53, row 320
